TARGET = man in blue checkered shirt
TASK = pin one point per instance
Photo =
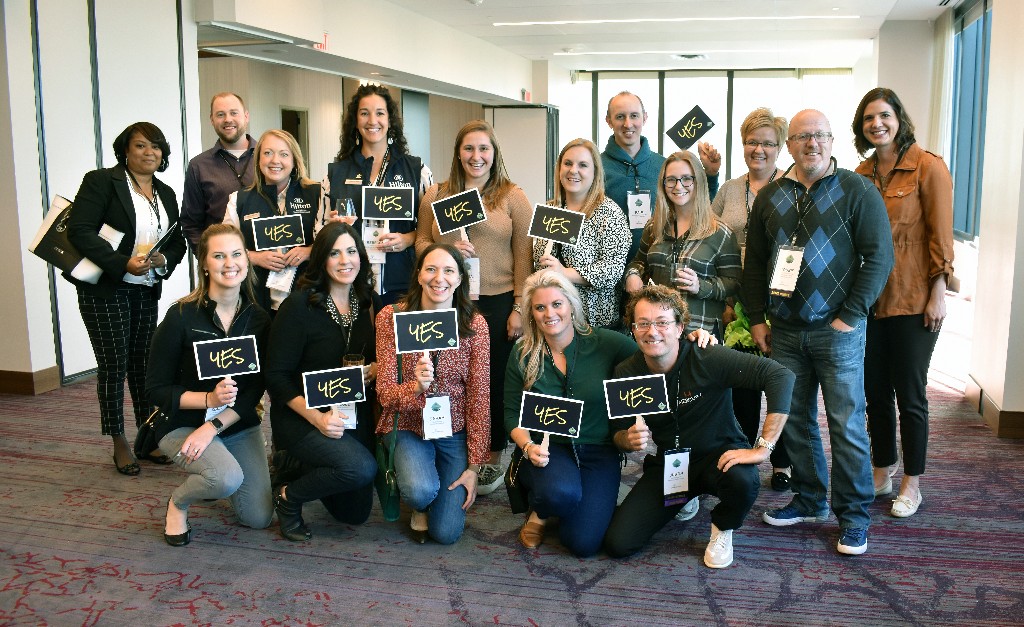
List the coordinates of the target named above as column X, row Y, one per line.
column 828, row 226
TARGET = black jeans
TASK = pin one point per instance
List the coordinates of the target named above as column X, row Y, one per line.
column 643, row 512
column 339, row 472
column 496, row 310
column 896, row 358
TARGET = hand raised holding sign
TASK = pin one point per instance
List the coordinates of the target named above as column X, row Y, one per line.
column 268, row 259
column 330, row 423
column 424, row 373
column 538, row 453
column 223, row 394
column 638, row 435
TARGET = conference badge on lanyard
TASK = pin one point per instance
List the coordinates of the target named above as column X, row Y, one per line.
column 787, row 271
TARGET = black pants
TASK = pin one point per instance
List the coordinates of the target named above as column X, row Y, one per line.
column 896, row 358
column 643, row 512
column 746, row 404
column 120, row 329
column 496, row 310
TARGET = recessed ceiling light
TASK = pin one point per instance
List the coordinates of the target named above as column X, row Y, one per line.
column 688, row 56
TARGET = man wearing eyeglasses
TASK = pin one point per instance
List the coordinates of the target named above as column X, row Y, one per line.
column 631, row 167
column 699, row 432
column 819, row 251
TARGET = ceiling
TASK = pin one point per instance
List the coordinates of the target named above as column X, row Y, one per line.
column 725, row 34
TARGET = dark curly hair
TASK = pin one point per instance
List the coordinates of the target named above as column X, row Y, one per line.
column 904, row 136
column 152, row 133
column 315, row 278
column 348, row 123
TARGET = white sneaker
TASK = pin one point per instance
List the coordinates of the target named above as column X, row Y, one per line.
column 689, row 510
column 491, row 476
column 719, row 551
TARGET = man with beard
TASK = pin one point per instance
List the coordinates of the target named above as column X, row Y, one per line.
column 213, row 175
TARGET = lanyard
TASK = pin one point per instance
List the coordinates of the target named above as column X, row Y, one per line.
column 154, row 203
column 806, row 199
column 238, row 175
column 749, row 200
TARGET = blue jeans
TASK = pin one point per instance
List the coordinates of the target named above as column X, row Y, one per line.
column 425, row 469
column 579, row 486
column 338, row 471
column 835, row 361
column 232, row 467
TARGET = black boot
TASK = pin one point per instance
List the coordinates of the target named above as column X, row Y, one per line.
column 284, row 469
column 289, row 515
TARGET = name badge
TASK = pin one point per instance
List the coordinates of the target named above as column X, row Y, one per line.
column 437, row 418
column 372, row 235
column 212, row 412
column 787, row 271
column 473, row 270
column 353, row 181
column 677, row 476
column 347, row 412
column 639, row 204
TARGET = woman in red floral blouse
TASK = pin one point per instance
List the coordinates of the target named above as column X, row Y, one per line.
column 437, row 477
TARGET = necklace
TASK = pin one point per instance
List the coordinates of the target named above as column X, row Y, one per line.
column 154, row 202
column 344, row 320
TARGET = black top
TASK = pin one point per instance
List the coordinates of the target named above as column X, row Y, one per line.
column 305, row 338
column 172, row 363
column 105, row 198
column 700, row 389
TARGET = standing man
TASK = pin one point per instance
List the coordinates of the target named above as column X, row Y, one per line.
column 819, row 251
column 631, row 168
column 213, row 175
column 700, row 420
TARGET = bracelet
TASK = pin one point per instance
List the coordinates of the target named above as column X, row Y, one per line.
column 526, row 448
column 517, row 308
column 206, row 399
column 632, row 272
column 763, row 443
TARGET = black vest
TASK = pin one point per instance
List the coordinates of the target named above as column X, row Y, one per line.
column 347, row 179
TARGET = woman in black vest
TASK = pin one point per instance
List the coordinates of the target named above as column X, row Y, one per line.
column 120, row 309
column 374, row 152
column 280, row 187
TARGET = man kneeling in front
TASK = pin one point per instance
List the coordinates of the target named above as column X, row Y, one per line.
column 699, row 435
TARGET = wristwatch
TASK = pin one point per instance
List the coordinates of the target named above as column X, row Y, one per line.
column 763, row 443
column 517, row 308
column 217, row 424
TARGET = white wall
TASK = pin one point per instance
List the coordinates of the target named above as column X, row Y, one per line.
column 905, row 52
column 1000, row 292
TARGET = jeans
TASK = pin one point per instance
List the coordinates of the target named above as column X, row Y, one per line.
column 425, row 469
column 579, row 486
column 232, row 467
column 339, row 472
column 643, row 512
column 835, row 361
column 899, row 350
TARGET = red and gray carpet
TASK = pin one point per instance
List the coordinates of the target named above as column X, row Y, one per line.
column 81, row 545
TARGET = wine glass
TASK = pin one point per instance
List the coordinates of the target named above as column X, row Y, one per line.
column 346, row 210
column 144, row 243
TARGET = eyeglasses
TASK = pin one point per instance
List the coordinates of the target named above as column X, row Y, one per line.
column 661, row 325
column 671, row 181
column 753, row 143
column 820, row 137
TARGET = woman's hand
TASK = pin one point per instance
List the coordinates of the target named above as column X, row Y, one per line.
column 297, row 255
column 468, row 480
column 514, row 326
column 197, row 442
column 157, row 260
column 634, row 283
column 935, row 310
column 330, row 423
column 138, row 265
column 552, row 263
column 710, row 158
column 268, row 259
column 686, row 280
column 224, row 393
column 465, row 247
column 702, row 338
column 537, row 455
column 370, row 374
column 424, row 374
column 396, row 242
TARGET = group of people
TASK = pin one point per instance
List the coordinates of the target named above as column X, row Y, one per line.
column 839, row 279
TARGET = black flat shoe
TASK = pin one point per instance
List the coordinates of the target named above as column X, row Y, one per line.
column 180, row 539
column 131, row 469
column 780, row 482
column 157, row 458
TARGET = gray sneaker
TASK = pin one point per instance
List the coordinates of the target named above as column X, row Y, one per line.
column 491, row 476
column 689, row 510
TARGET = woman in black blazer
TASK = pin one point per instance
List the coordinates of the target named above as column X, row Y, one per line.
column 118, row 214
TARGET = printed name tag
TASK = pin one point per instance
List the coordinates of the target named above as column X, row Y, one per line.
column 639, row 205
column 437, row 418
column 473, row 270
column 372, row 235
column 787, row 271
column 677, row 476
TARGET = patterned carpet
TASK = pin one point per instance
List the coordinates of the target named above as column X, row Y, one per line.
column 81, row 545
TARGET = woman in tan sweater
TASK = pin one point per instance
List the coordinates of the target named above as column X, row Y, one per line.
column 503, row 248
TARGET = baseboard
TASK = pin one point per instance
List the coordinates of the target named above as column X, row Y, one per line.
column 29, row 383
column 1005, row 424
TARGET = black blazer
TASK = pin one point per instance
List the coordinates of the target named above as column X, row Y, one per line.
column 105, row 198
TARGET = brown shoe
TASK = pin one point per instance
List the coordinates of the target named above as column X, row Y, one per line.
column 531, row 535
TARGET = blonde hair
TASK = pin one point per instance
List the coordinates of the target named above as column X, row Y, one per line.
column 595, row 196
column 663, row 222
column 531, row 356
column 298, row 172
column 763, row 117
